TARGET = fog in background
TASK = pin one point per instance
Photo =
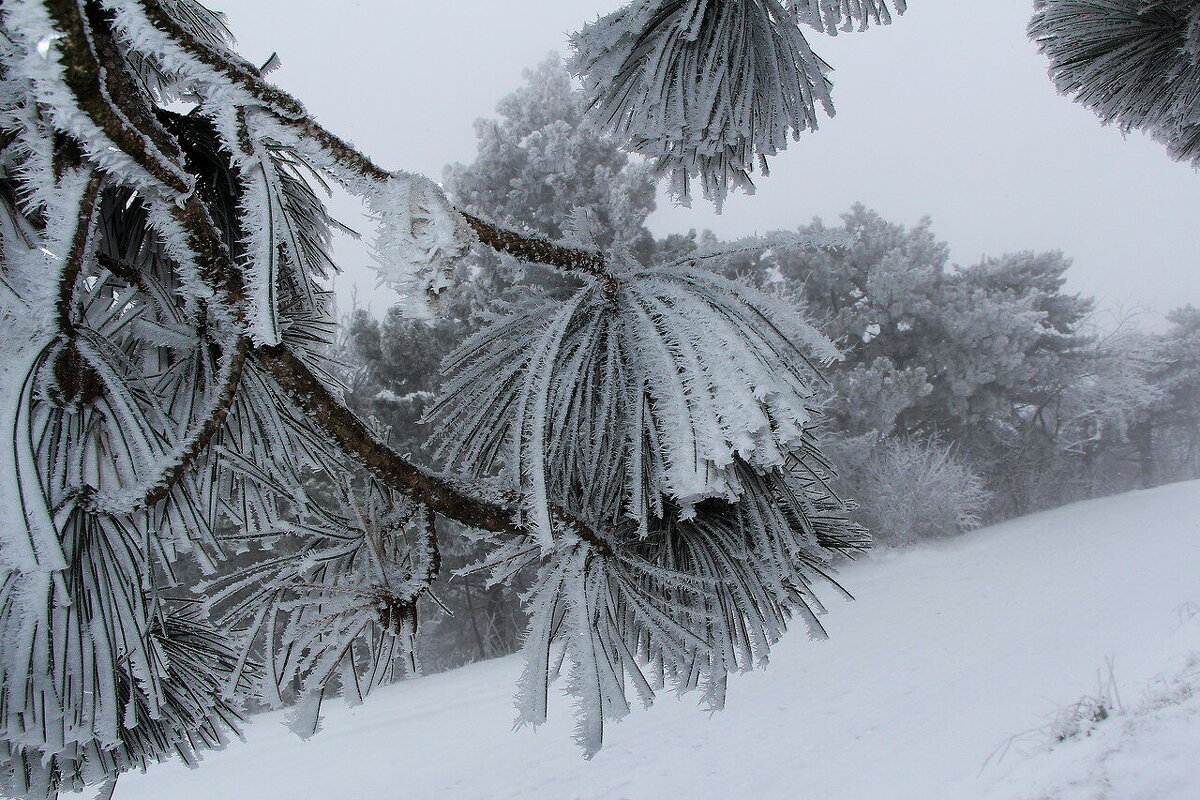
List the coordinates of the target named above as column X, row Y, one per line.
column 948, row 112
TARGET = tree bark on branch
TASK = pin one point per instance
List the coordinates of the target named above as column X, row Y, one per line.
column 438, row 493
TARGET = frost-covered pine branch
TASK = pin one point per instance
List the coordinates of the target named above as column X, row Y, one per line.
column 670, row 414
column 166, row 398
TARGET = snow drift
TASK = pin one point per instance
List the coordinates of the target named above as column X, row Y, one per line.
column 949, row 652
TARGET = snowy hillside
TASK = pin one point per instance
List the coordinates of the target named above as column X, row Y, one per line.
column 949, row 652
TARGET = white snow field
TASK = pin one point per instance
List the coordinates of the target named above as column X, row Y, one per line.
column 950, row 650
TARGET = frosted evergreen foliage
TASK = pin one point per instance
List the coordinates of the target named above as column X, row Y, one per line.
column 665, row 408
column 1136, row 63
column 640, row 432
column 420, row 238
column 671, row 375
column 684, row 602
column 342, row 605
column 832, row 16
column 711, row 89
column 138, row 428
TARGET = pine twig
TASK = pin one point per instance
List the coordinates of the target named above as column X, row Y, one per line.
column 292, row 112
column 356, row 440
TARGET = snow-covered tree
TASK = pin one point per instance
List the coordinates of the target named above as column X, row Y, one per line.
column 1136, row 63
column 1141, row 404
column 930, row 347
column 640, row 433
column 538, row 165
column 1170, row 430
column 980, row 356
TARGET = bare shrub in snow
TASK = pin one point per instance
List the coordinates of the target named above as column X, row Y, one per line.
column 1077, row 720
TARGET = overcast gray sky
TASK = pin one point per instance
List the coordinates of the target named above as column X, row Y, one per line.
column 948, row 112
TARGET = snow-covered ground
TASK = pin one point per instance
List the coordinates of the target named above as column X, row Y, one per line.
column 949, row 653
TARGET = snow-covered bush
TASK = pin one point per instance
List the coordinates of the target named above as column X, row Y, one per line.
column 909, row 490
